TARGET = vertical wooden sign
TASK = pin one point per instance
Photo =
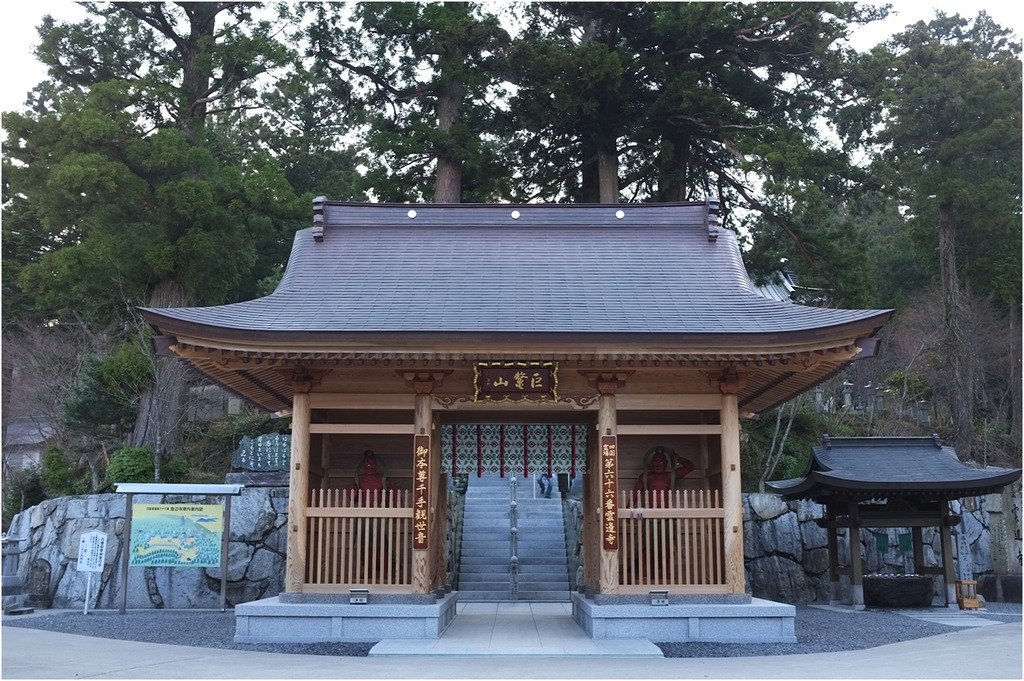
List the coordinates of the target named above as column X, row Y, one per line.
column 421, row 491
column 609, row 492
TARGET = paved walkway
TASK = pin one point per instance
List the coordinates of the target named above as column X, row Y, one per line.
column 521, row 629
column 976, row 653
column 952, row 618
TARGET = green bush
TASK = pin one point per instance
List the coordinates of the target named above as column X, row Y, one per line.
column 22, row 489
column 131, row 464
column 61, row 476
column 177, row 469
column 209, row 446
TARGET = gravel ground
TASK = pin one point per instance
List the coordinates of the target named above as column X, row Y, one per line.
column 817, row 630
column 826, row 631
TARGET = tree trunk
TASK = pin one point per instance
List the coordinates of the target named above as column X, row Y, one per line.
column 161, row 407
column 957, row 338
column 600, row 181
column 674, row 172
column 608, row 169
column 590, row 182
column 1014, row 362
column 449, row 169
column 196, row 68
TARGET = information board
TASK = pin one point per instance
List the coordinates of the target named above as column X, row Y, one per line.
column 176, row 535
column 92, row 551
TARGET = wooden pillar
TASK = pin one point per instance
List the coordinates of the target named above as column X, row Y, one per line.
column 607, row 384
column 423, row 559
column 591, row 529
column 833, row 556
column 948, row 576
column 729, row 383
column 298, row 492
column 705, row 459
column 325, row 460
column 609, row 558
column 918, row 549
column 423, row 425
column 856, row 560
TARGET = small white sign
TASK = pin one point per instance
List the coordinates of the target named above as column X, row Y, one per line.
column 92, row 552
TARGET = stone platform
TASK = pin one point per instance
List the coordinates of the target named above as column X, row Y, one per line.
column 272, row 620
column 756, row 621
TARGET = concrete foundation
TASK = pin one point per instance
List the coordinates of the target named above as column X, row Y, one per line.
column 272, row 621
column 758, row 621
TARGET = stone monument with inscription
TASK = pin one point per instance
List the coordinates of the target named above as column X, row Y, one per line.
column 261, row 461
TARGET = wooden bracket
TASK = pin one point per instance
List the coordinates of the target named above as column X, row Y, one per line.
column 730, row 380
column 302, row 378
column 423, row 382
column 606, row 382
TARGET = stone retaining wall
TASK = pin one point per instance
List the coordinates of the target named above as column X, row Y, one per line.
column 786, row 555
column 46, row 564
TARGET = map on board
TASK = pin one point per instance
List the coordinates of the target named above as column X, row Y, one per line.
column 176, row 535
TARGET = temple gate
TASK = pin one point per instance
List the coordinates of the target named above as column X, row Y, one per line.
column 636, row 325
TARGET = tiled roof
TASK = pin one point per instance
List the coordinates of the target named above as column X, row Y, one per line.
column 868, row 466
column 556, row 268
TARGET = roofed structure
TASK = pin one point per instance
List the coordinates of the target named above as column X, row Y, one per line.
column 517, row 331
column 872, row 467
column 881, row 482
column 621, row 285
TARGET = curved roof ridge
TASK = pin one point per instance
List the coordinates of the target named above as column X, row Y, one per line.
column 480, row 270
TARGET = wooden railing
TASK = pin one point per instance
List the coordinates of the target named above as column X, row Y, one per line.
column 359, row 539
column 671, row 540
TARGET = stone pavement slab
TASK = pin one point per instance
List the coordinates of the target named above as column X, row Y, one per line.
column 976, row 653
column 951, row 618
column 521, row 629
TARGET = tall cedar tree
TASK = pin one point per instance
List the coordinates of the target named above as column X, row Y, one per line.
column 946, row 100
column 677, row 101
column 426, row 73
column 308, row 115
column 122, row 188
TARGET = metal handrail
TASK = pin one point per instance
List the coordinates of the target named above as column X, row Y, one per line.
column 513, row 528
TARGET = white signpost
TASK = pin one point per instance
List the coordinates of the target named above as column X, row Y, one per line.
column 92, row 553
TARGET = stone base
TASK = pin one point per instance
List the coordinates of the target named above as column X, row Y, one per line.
column 758, row 621
column 258, row 478
column 898, row 591
column 1000, row 588
column 271, row 621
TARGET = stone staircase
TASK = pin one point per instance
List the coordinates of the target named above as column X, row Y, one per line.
column 484, row 565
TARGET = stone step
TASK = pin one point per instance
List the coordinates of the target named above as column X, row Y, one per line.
column 533, row 547
column 496, row 574
column 544, row 596
column 541, row 548
column 483, row 596
column 529, row 557
column 489, row 576
column 560, row 585
column 495, row 557
column 523, row 569
column 483, row 586
column 556, row 552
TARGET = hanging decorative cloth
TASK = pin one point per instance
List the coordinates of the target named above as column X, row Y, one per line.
column 881, row 541
column 906, row 542
column 556, row 447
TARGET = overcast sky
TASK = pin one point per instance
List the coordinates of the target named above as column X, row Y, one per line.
column 19, row 19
